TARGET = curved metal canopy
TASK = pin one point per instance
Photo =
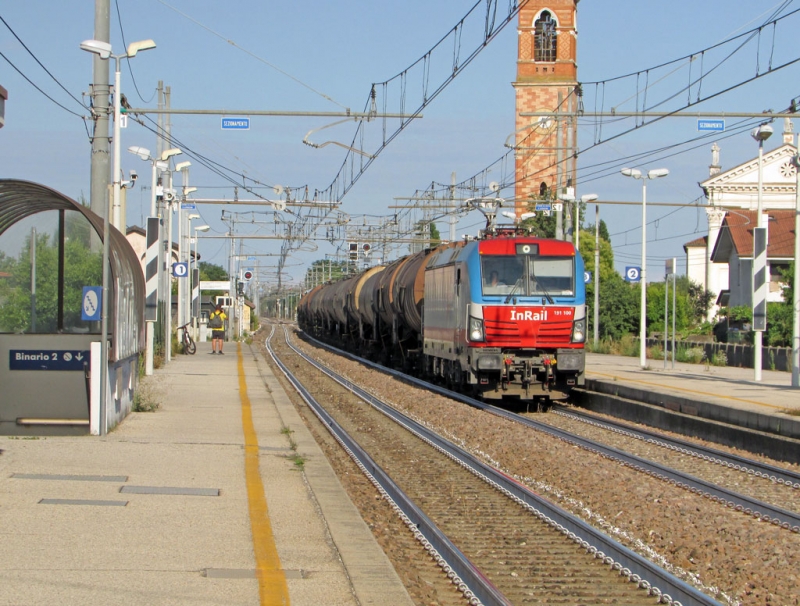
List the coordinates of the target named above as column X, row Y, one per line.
column 22, row 199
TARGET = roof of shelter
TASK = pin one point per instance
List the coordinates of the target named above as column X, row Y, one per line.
column 22, row 199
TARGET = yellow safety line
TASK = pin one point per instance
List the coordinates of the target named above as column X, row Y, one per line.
column 272, row 586
column 702, row 393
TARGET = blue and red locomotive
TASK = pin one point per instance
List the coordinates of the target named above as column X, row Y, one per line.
column 500, row 316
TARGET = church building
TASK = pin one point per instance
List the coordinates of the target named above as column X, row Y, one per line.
column 722, row 261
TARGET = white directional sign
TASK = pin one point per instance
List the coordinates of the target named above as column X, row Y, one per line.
column 180, row 270
column 633, row 274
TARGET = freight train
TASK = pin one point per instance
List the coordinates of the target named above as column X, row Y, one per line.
column 500, row 316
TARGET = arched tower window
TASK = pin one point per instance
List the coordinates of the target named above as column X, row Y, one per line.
column 544, row 191
column 545, row 38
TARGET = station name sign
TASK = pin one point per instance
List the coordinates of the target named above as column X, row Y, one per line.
column 235, row 123
column 710, row 125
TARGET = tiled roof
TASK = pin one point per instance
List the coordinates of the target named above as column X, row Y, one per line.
column 698, row 243
column 740, row 224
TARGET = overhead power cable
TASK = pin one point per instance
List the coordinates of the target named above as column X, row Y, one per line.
column 251, row 54
column 47, row 71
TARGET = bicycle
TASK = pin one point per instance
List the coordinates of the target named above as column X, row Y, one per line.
column 189, row 346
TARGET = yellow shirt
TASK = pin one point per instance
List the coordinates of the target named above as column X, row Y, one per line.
column 222, row 315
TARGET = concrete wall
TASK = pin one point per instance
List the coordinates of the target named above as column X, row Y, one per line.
column 44, row 400
column 39, row 392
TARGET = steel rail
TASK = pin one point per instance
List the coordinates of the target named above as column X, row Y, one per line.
column 469, row 580
column 750, row 466
column 648, row 575
column 788, row 520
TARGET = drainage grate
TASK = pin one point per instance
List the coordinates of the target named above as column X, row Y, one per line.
column 83, row 502
column 171, row 490
column 46, row 476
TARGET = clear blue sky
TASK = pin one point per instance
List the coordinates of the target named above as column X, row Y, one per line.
column 283, row 50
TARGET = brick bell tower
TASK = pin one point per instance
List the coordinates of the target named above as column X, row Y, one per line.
column 546, row 81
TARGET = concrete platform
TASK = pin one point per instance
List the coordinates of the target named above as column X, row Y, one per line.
column 725, row 394
column 164, row 509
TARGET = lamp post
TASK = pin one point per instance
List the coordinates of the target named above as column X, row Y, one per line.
column 158, row 165
column 635, row 173
column 760, row 134
column 103, row 50
column 596, row 272
column 796, row 282
column 183, row 168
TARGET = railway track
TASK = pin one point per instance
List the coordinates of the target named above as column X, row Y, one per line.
column 769, row 501
column 762, row 482
column 529, row 550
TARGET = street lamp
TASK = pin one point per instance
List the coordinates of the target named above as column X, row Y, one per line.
column 760, row 134
column 103, row 49
column 158, row 165
column 635, row 173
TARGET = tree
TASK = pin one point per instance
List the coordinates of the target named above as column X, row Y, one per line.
column 655, row 308
column 436, row 237
column 543, row 225
column 212, row 273
column 780, row 316
column 619, row 301
column 324, row 270
column 82, row 267
column 619, row 307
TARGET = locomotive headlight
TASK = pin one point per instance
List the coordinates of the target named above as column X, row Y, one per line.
column 579, row 331
column 475, row 329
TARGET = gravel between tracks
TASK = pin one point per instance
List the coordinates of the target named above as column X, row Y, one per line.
column 740, row 559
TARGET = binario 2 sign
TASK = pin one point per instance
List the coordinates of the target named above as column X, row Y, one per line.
column 47, row 359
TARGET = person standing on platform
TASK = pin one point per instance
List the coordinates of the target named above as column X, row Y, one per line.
column 216, row 322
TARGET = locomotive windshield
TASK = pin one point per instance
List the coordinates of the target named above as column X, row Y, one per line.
column 528, row 275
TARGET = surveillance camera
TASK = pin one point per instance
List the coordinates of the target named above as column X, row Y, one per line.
column 134, row 176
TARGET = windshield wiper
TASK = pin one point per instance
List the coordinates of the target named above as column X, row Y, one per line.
column 541, row 287
column 517, row 284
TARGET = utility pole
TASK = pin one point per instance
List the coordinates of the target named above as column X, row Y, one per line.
column 559, row 171
column 100, row 109
column 453, row 218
